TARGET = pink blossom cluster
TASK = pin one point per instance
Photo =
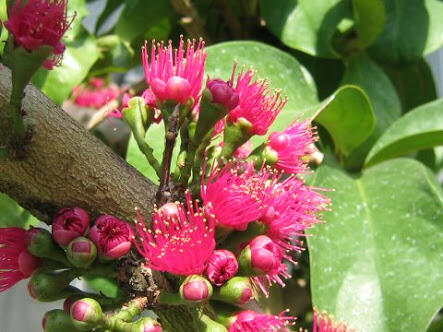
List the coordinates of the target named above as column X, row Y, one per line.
column 246, row 221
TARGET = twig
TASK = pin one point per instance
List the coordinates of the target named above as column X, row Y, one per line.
column 191, row 20
column 231, row 19
column 163, row 193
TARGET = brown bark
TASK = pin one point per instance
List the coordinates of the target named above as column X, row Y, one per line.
column 64, row 165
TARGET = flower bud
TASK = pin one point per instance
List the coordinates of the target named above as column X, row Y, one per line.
column 223, row 93
column 69, row 224
column 81, row 252
column 28, row 263
column 146, row 324
column 196, row 288
column 47, row 287
column 260, row 256
column 40, row 243
column 222, row 266
column 169, row 211
column 237, row 290
column 178, row 89
column 68, row 302
column 112, row 236
column 57, row 320
column 86, row 314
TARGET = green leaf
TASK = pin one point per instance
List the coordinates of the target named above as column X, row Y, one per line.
column 105, row 286
column 419, row 129
column 306, row 25
column 413, row 28
column 376, row 262
column 13, row 214
column 279, row 68
column 156, row 139
column 361, row 71
column 77, row 9
column 370, row 19
column 348, row 117
column 414, row 84
column 78, row 58
column 140, row 16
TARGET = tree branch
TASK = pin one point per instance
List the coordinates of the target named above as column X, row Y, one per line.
column 65, row 166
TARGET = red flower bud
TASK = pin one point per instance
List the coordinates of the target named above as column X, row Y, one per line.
column 81, row 252
column 112, row 236
column 261, row 256
column 196, row 288
column 68, row 302
column 223, row 93
column 222, row 266
column 28, row 263
column 146, row 324
column 86, row 314
column 178, row 89
column 69, row 224
column 169, row 211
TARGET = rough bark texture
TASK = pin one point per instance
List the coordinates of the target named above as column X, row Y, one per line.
column 64, row 165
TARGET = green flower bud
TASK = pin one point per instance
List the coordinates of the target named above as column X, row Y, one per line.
column 57, row 320
column 52, row 286
column 237, row 290
column 81, row 252
column 86, row 314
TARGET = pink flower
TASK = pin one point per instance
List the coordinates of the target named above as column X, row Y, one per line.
column 170, row 75
column 16, row 263
column 264, row 282
column 324, row 323
column 256, row 104
column 95, row 94
column 290, row 207
column 251, row 321
column 112, row 236
column 222, row 266
column 69, row 224
column 179, row 244
column 35, row 23
column 229, row 196
column 291, row 146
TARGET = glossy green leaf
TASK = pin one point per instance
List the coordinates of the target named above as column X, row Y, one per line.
column 78, row 58
column 376, row 262
column 361, row 71
column 306, row 25
column 413, row 28
column 370, row 19
column 12, row 214
column 140, row 16
column 105, row 286
column 419, row 129
column 348, row 117
column 156, row 139
column 279, row 68
column 414, row 84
